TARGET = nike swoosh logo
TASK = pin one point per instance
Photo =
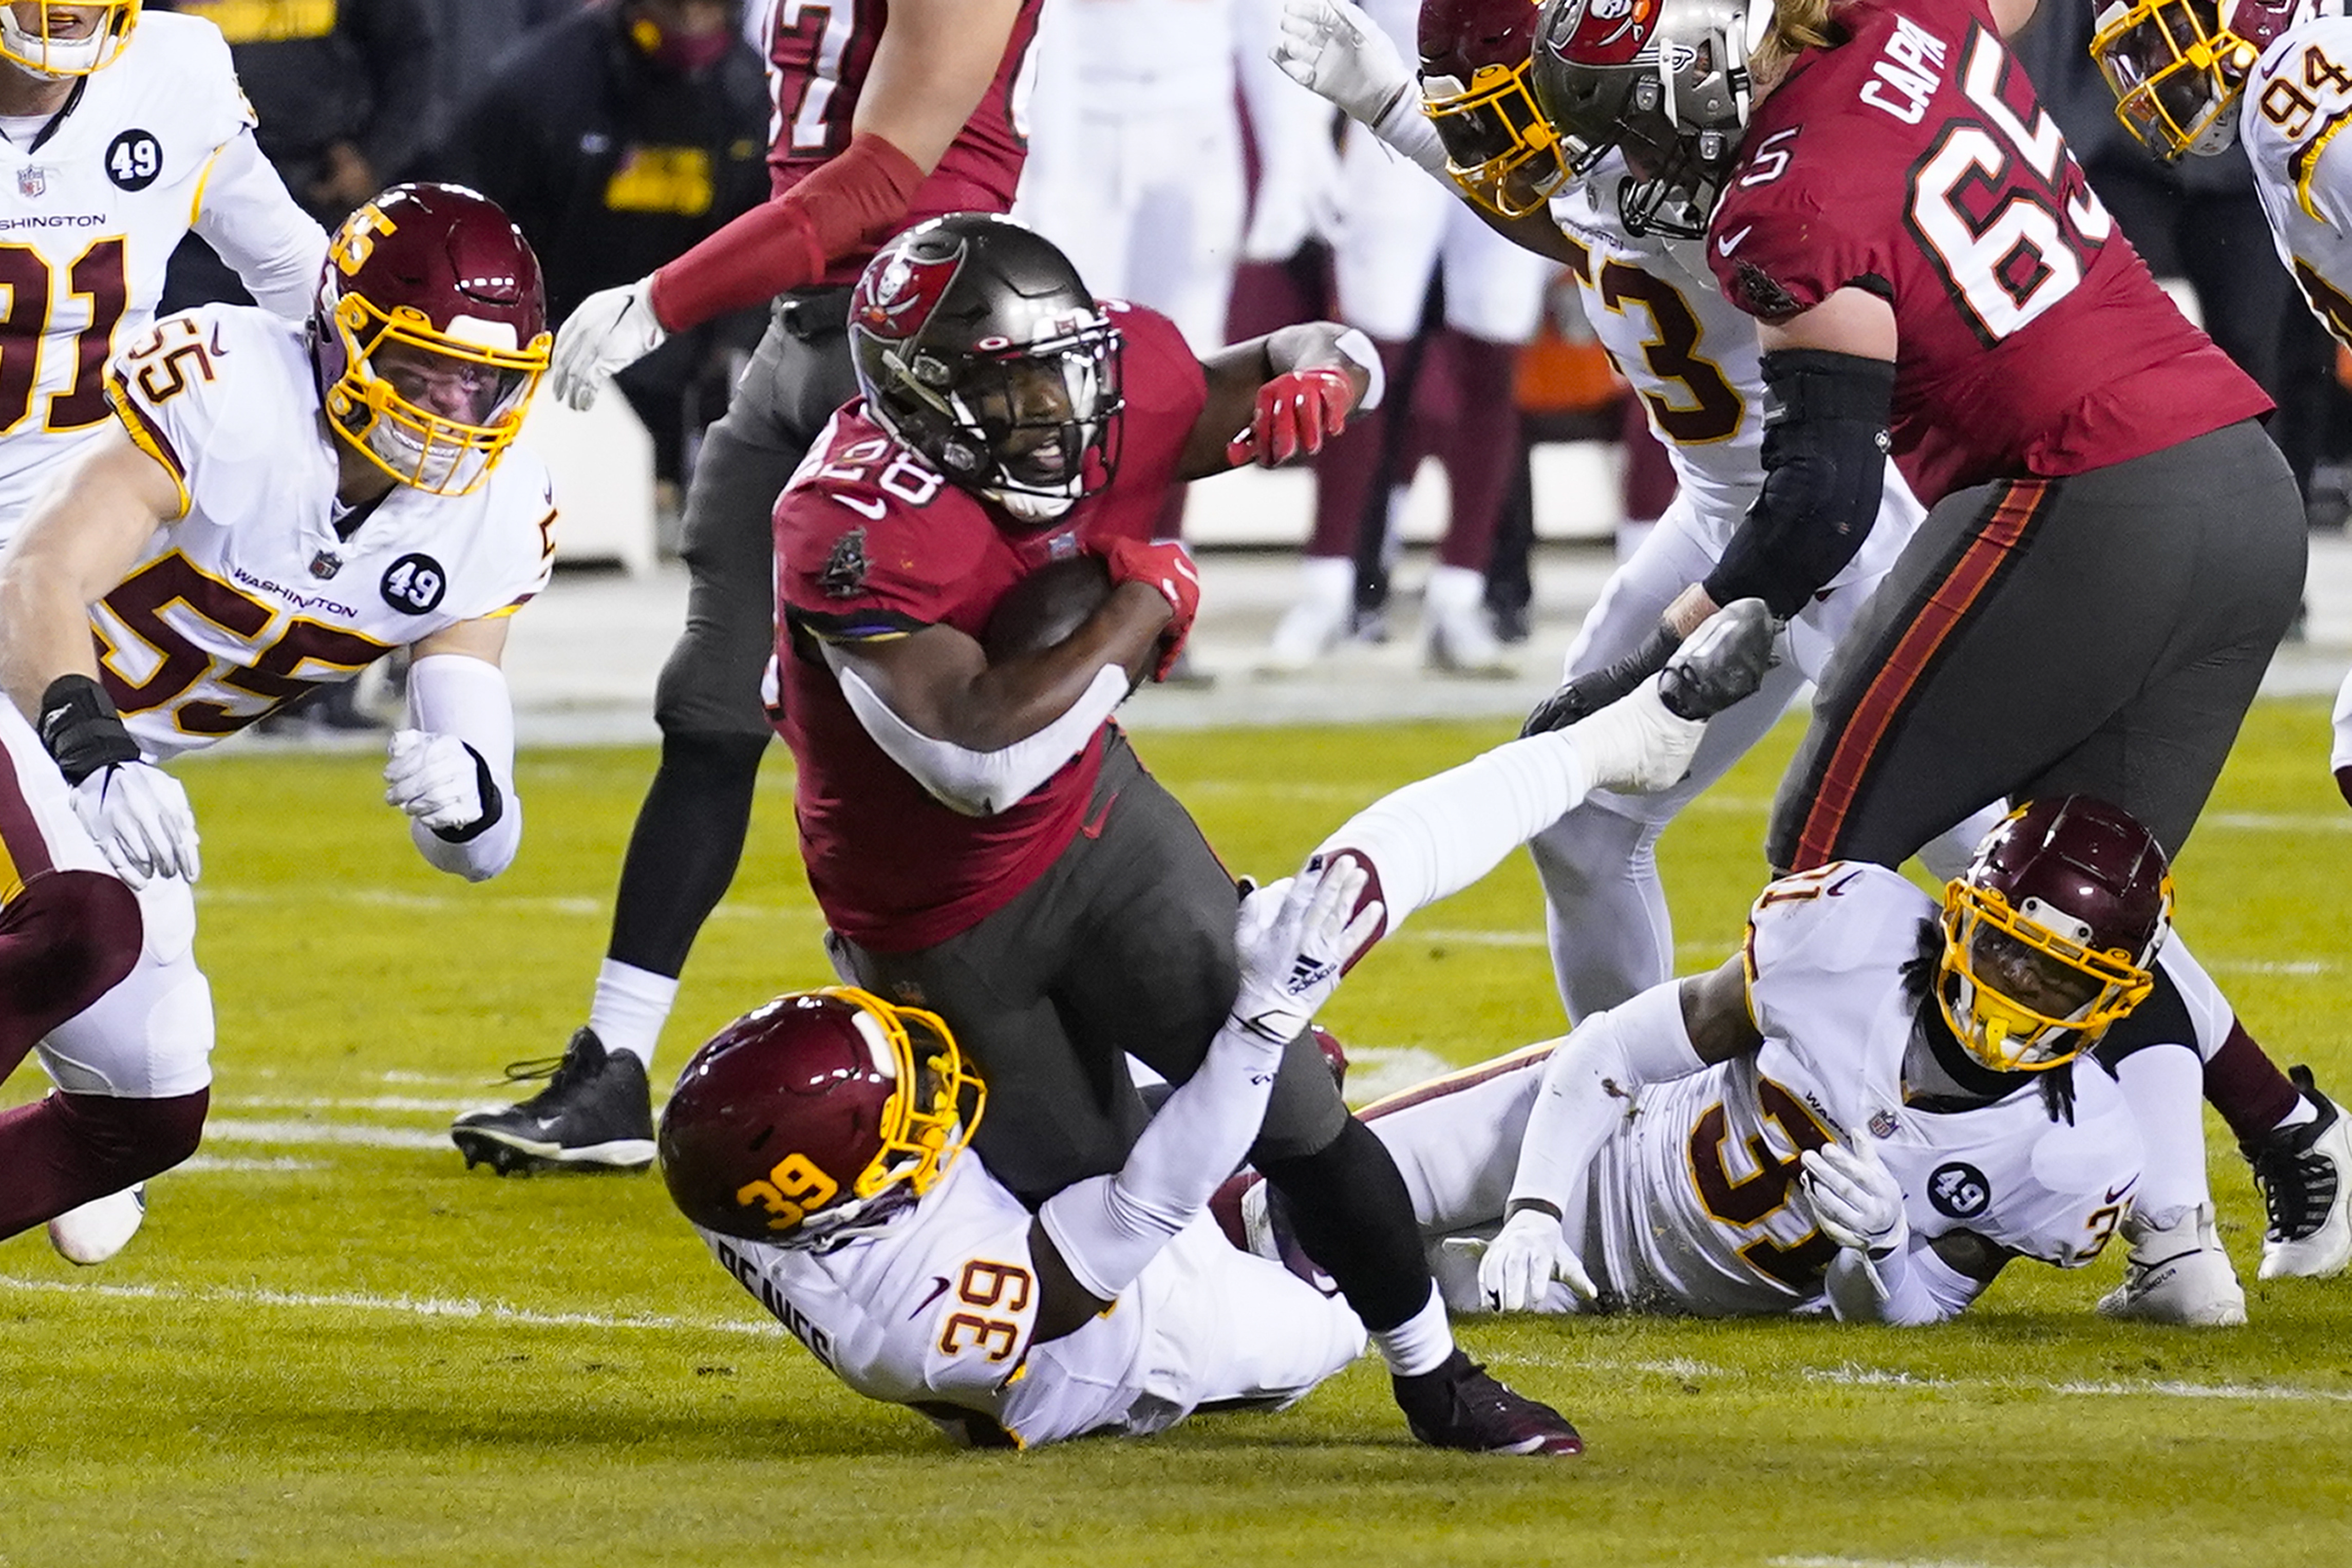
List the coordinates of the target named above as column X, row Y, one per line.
column 2116, row 1194
column 939, row 1289
column 1839, row 886
column 1726, row 243
column 1094, row 830
column 875, row 510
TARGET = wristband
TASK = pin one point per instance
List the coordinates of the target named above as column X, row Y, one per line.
column 494, row 805
column 81, row 729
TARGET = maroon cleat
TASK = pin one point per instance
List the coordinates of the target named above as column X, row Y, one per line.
column 1460, row 1406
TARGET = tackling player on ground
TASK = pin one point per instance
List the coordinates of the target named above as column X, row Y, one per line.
column 274, row 508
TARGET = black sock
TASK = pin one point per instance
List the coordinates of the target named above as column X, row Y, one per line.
column 1352, row 1213
column 685, row 848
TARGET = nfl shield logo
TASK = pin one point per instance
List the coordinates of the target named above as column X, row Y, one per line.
column 1883, row 1123
column 32, row 182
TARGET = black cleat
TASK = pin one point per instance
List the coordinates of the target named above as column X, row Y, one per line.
column 1460, row 1406
column 1723, row 660
column 595, row 1115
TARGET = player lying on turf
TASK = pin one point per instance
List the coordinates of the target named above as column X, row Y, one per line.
column 1870, row 1110
column 276, row 508
column 821, row 1151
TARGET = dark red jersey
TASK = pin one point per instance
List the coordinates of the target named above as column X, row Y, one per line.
column 1913, row 160
column 871, row 544
column 818, row 54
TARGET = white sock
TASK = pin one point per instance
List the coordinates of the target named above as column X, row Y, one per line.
column 1434, row 838
column 1419, row 1343
column 2305, row 1111
column 2165, row 1087
column 632, row 1005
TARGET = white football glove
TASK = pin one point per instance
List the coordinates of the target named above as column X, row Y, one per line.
column 138, row 816
column 1335, row 51
column 1293, row 936
column 434, row 778
column 1519, row 1265
column 1857, row 1201
column 610, row 330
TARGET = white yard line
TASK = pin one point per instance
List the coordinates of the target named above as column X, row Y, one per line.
column 409, row 1306
column 310, row 1135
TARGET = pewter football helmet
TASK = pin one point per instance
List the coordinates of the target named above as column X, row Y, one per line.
column 1665, row 80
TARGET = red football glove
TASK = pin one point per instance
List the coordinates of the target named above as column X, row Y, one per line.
column 1297, row 412
column 1166, row 568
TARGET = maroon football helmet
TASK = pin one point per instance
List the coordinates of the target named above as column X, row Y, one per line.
column 821, row 1113
column 2049, row 934
column 431, row 334
column 977, row 345
column 1474, row 56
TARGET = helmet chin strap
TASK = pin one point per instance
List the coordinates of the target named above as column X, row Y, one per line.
column 1030, row 508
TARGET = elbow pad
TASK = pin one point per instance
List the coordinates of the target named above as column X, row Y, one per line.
column 1825, row 446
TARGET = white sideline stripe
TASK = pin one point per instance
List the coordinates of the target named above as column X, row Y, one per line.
column 200, row 1165
column 303, row 1134
column 1684, row 1369
column 409, row 1306
column 1376, row 1070
column 1465, row 938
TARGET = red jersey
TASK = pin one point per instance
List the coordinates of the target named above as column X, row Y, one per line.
column 1913, row 160
column 818, row 54
column 871, row 544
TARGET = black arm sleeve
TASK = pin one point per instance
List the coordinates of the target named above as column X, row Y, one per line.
column 1825, row 446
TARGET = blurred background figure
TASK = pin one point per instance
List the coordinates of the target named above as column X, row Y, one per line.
column 347, row 92
column 1397, row 231
column 618, row 137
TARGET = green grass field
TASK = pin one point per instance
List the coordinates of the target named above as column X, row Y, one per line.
column 332, row 1344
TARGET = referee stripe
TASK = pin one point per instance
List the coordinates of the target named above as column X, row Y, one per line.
column 1947, row 603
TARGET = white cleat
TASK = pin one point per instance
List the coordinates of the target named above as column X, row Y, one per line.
column 1634, row 745
column 1320, row 617
column 1457, row 638
column 100, row 1227
column 2305, row 1176
column 2179, row 1274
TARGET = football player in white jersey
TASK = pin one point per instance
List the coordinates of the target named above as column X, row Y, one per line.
column 818, row 1146
column 273, row 507
column 1869, row 1111
column 120, row 134
column 817, row 1143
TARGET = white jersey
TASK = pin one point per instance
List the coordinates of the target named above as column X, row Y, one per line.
column 252, row 597
column 1696, row 1206
column 1692, row 358
column 1150, row 57
column 937, row 1309
column 90, row 211
column 2298, row 98
column 1693, row 1204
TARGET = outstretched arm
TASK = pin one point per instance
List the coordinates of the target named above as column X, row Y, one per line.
column 451, row 763
column 1274, row 397
column 1091, row 1240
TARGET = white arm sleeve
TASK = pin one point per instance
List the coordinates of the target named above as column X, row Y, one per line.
column 983, row 783
column 457, row 693
column 1905, row 1288
column 1108, row 1228
column 1405, row 130
column 1591, row 1084
column 246, row 214
column 1435, row 837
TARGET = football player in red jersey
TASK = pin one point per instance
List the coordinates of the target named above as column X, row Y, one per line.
column 2114, row 547
column 886, row 112
column 983, row 842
